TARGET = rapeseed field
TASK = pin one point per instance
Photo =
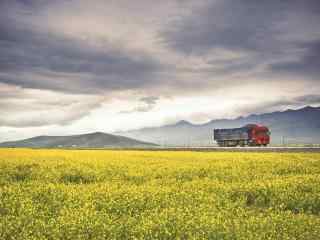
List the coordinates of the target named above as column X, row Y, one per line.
column 109, row 194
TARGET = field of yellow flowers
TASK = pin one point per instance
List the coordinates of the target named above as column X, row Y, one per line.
column 106, row 194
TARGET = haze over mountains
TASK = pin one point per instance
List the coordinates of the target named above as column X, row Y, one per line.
column 91, row 140
column 301, row 126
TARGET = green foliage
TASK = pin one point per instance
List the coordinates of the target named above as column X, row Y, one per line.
column 57, row 194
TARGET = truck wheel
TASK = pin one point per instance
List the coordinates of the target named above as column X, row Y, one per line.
column 220, row 144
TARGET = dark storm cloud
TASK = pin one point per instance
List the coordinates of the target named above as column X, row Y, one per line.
column 266, row 30
column 112, row 70
column 33, row 57
column 230, row 24
column 309, row 64
column 37, row 52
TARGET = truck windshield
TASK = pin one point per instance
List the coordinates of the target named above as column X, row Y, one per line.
column 263, row 133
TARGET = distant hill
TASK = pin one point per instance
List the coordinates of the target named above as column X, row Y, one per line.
column 301, row 126
column 91, row 140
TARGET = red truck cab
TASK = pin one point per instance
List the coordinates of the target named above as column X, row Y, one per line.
column 259, row 135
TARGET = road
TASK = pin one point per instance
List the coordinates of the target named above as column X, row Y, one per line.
column 211, row 149
column 238, row 149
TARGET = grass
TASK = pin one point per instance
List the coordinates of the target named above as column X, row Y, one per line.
column 83, row 194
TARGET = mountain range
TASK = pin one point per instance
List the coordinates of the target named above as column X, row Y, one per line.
column 301, row 126
column 91, row 140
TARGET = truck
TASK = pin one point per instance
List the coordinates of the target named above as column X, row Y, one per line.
column 248, row 135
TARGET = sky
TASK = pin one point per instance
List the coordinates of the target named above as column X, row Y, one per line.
column 78, row 66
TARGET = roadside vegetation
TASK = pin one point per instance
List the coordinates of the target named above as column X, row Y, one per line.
column 110, row 194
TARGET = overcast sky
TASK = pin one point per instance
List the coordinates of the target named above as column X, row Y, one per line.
column 76, row 66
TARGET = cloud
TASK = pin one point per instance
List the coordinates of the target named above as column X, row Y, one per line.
column 102, row 48
column 308, row 64
column 148, row 104
column 265, row 32
column 86, row 52
column 149, row 100
column 281, row 104
column 34, row 108
column 41, row 60
column 308, row 99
